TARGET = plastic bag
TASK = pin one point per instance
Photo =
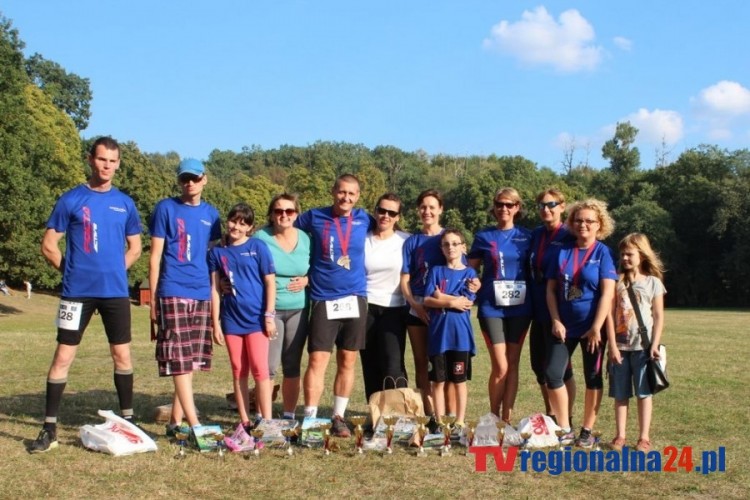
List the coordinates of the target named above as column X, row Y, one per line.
column 116, row 436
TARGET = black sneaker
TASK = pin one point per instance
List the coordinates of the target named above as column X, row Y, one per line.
column 433, row 427
column 585, row 439
column 171, row 431
column 339, row 428
column 46, row 441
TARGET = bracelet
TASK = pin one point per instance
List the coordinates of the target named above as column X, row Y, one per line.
column 271, row 314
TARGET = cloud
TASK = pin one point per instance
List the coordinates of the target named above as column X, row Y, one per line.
column 721, row 108
column 537, row 39
column 657, row 126
column 724, row 98
column 623, row 43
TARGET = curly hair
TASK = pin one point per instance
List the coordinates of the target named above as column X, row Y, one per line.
column 606, row 222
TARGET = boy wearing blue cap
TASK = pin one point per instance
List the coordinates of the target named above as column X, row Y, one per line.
column 182, row 228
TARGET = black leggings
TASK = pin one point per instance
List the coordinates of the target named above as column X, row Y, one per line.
column 538, row 351
column 383, row 356
column 558, row 358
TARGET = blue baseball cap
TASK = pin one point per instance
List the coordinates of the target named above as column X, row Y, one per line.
column 190, row 166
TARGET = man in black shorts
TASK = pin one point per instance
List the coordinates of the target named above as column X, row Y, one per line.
column 99, row 223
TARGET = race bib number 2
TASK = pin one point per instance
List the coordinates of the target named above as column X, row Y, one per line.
column 69, row 315
column 347, row 307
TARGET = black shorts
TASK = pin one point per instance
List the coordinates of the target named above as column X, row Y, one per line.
column 115, row 315
column 348, row 334
column 450, row 366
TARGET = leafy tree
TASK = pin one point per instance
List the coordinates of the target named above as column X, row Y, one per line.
column 68, row 91
column 257, row 192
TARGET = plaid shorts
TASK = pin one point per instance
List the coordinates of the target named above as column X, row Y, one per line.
column 184, row 341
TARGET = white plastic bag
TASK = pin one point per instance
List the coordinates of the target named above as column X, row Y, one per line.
column 116, row 436
column 541, row 429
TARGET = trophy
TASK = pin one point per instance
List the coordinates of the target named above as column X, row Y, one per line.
column 357, row 422
column 389, row 422
column 471, row 431
column 500, row 432
column 288, row 435
column 181, row 438
column 597, row 435
column 219, row 438
column 446, row 424
column 325, row 429
column 257, row 434
column 560, row 433
column 525, row 436
column 421, row 433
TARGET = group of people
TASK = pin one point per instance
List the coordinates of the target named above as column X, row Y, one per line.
column 338, row 276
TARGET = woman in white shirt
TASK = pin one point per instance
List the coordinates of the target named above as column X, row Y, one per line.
column 383, row 355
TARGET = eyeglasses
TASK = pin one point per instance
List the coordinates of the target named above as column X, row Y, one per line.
column 454, row 244
column 588, row 222
column 505, row 204
column 185, row 178
column 284, row 211
column 548, row 204
column 383, row 211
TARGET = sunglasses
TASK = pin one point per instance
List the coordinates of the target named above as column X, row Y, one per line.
column 505, row 204
column 449, row 244
column 588, row 222
column 284, row 211
column 383, row 211
column 185, row 178
column 548, row 204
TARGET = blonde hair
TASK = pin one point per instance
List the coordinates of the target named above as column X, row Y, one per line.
column 511, row 194
column 651, row 264
column 606, row 223
column 553, row 192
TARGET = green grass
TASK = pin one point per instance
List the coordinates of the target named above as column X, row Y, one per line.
column 707, row 407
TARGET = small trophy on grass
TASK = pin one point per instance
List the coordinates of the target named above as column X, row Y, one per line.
column 471, row 432
column 389, row 422
column 219, row 438
column 597, row 437
column 500, row 432
column 446, row 424
column 560, row 433
column 525, row 443
column 325, row 430
column 288, row 435
column 257, row 435
column 421, row 433
column 357, row 421
column 181, row 438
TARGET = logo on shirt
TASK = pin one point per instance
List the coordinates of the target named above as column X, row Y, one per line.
column 90, row 233
column 183, row 241
column 206, row 222
column 117, row 209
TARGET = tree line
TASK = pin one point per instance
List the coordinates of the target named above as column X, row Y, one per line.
column 694, row 209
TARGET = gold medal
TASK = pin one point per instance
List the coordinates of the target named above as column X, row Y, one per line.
column 344, row 261
column 574, row 293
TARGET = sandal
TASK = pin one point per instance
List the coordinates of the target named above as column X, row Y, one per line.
column 643, row 445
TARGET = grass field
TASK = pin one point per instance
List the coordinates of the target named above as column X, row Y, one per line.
column 707, row 407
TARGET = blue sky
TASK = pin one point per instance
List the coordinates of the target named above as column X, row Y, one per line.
column 453, row 77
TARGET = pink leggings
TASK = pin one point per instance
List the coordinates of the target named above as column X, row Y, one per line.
column 248, row 353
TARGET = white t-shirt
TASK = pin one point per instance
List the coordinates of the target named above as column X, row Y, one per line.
column 383, row 260
column 626, row 322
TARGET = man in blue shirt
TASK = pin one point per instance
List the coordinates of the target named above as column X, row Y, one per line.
column 103, row 239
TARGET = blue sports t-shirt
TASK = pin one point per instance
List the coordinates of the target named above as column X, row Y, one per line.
column 505, row 256
column 334, row 273
column 187, row 231
column 421, row 252
column 544, row 246
column 577, row 314
column 288, row 265
column 96, row 226
column 246, row 265
column 450, row 329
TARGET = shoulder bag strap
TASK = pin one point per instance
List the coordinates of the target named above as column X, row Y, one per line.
column 645, row 342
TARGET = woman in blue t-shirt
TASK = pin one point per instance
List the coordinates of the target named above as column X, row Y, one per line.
column 580, row 287
column 502, row 251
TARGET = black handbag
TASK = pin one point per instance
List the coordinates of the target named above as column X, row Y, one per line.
column 656, row 369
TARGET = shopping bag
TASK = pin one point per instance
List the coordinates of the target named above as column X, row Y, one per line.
column 116, row 436
column 402, row 401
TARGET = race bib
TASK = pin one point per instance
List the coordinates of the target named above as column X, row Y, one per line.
column 509, row 293
column 347, row 307
column 69, row 315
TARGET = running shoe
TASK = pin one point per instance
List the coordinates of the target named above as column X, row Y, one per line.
column 585, row 439
column 339, row 427
column 46, row 441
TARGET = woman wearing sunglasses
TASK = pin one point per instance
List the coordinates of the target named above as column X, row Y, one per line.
column 581, row 281
column 545, row 239
column 502, row 252
column 290, row 249
column 383, row 356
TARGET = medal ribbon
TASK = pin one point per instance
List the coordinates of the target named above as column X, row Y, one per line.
column 344, row 241
column 543, row 245
column 577, row 268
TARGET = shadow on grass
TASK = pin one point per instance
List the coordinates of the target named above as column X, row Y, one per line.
column 6, row 309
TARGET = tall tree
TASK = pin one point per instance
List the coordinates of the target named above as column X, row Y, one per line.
column 68, row 91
